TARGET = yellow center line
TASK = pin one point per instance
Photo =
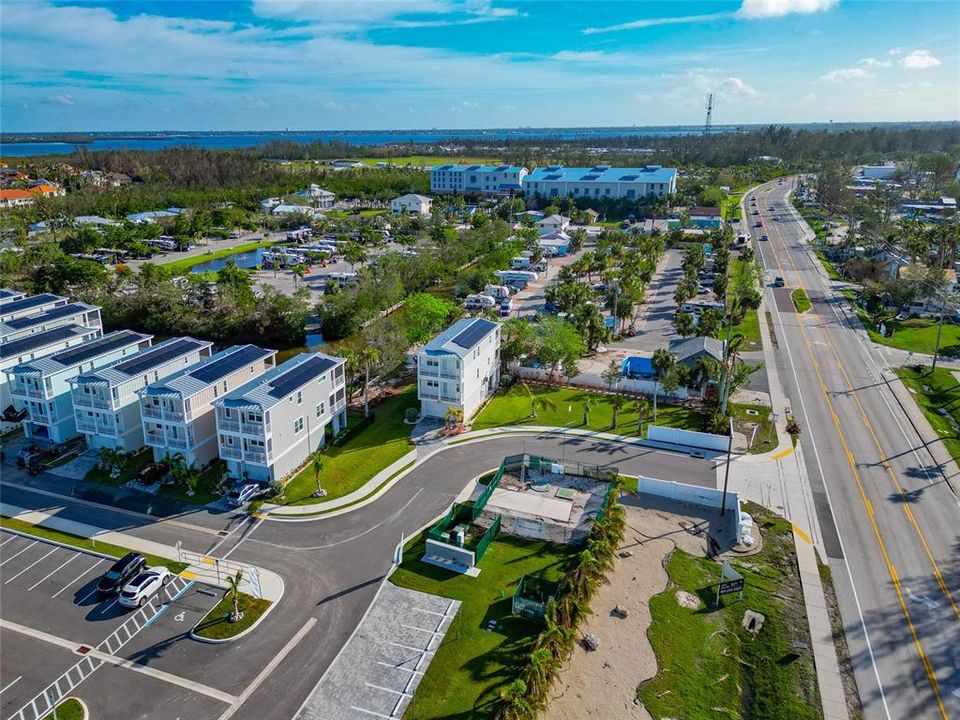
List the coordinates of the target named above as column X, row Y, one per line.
column 925, row 661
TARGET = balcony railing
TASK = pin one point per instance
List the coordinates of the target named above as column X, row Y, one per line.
column 228, row 425
column 232, row 453
column 438, row 397
column 253, row 428
column 84, row 400
column 27, row 391
column 155, row 438
column 86, row 425
column 437, row 372
column 256, row 457
column 177, row 442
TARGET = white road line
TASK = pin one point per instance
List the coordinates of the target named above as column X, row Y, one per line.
column 408, row 647
column 86, row 597
column 10, row 685
column 271, row 666
column 400, row 667
column 19, row 553
column 371, row 712
column 12, row 537
column 431, row 612
column 76, row 578
column 11, row 579
column 385, row 689
column 62, row 565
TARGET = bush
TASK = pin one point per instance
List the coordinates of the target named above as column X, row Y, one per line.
column 411, row 415
column 348, row 432
column 506, row 380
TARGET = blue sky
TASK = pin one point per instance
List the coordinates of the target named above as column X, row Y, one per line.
column 383, row 64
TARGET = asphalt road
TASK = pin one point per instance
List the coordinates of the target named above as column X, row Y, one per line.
column 895, row 522
column 331, row 567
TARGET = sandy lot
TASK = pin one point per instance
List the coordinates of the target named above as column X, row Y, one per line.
column 603, row 684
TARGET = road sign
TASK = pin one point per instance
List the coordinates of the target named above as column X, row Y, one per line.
column 730, row 581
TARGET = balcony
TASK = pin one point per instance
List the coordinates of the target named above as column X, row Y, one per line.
column 438, row 397
column 428, row 371
column 155, row 438
column 228, row 425
column 254, row 429
column 86, row 425
column 178, row 442
column 84, row 400
column 27, row 391
column 231, row 453
column 256, row 457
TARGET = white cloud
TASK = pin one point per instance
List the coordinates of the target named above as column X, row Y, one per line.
column 60, row 99
column 895, row 51
column 846, row 74
column 345, row 15
column 778, row 8
column 733, row 88
column 874, row 63
column 654, row 22
column 919, row 60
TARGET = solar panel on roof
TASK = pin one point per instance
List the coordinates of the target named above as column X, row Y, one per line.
column 590, row 177
column 32, row 342
column 502, row 168
column 629, row 177
column 474, row 334
column 4, row 293
column 52, row 314
column 552, row 177
column 29, row 302
column 220, row 368
column 472, row 168
column 96, row 347
column 146, row 360
column 299, row 376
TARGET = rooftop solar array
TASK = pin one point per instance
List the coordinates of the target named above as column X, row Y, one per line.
column 474, row 334
column 84, row 352
column 444, row 167
column 502, row 168
column 473, row 168
column 15, row 348
column 221, row 367
column 4, row 293
column 629, row 177
column 51, row 314
column 593, row 176
column 29, row 302
column 299, row 376
column 147, row 360
column 552, row 177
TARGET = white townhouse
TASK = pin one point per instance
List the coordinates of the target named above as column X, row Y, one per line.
column 70, row 314
column 178, row 413
column 553, row 224
column 268, row 427
column 31, row 347
column 459, row 368
column 317, row 196
column 11, row 309
column 106, row 404
column 601, row 181
column 477, row 179
column 42, row 386
column 411, row 204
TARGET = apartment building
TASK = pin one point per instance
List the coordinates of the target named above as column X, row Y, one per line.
column 459, row 368
column 70, row 314
column 8, row 295
column 178, row 413
column 477, row 179
column 42, row 386
column 601, row 181
column 11, row 309
column 31, row 347
column 106, row 403
column 268, row 427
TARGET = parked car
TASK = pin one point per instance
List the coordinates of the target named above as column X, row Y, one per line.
column 136, row 592
column 29, row 456
column 152, row 473
column 242, row 494
column 778, row 282
column 122, row 570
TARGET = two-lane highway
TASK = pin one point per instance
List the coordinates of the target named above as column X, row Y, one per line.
column 890, row 521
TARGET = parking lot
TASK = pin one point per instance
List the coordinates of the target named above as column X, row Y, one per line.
column 60, row 639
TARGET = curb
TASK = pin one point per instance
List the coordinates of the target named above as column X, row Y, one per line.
column 238, row 636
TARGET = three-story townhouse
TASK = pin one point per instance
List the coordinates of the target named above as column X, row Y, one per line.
column 13, row 307
column 76, row 313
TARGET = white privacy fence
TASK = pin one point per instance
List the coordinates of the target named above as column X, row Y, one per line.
column 639, row 387
column 689, row 438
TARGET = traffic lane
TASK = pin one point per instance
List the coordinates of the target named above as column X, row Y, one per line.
column 27, row 667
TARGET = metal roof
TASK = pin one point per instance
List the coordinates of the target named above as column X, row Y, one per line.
column 83, row 353
column 7, row 294
column 30, row 343
column 603, row 174
column 146, row 360
column 8, row 307
column 196, row 378
column 461, row 337
column 265, row 391
column 56, row 313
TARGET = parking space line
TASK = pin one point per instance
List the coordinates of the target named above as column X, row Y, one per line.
column 58, row 569
column 409, row 647
column 400, row 667
column 12, row 537
column 76, row 578
column 430, row 612
column 385, row 689
column 10, row 684
column 35, row 562
column 19, row 553
column 371, row 712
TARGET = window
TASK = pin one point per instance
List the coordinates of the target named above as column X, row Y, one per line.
column 298, row 425
column 320, row 410
column 299, row 397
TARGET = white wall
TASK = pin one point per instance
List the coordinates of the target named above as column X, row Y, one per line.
column 690, row 438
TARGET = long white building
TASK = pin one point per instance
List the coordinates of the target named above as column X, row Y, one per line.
column 76, row 313
column 601, row 181
column 477, row 179
column 14, row 307
column 106, row 404
column 178, row 414
column 459, row 368
column 42, row 386
column 268, row 427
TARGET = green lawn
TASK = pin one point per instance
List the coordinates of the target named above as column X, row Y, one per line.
column 206, row 488
column 749, row 327
column 216, row 624
column 731, row 206
column 473, row 664
column 348, row 467
column 69, row 709
column 915, row 335
column 84, row 543
column 827, row 265
column 135, row 463
column 800, row 300
column 513, row 408
column 935, row 392
column 710, row 667
column 743, row 421
column 179, row 267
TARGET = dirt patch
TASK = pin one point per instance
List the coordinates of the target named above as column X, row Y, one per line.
column 603, row 684
column 685, row 599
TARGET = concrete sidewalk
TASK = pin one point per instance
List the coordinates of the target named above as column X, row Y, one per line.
column 205, row 569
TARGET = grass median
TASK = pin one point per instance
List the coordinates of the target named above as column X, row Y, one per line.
column 938, row 395
column 83, row 543
column 800, row 300
column 69, row 709
column 216, row 624
column 350, row 466
column 566, row 408
column 473, row 663
column 749, row 327
column 179, row 267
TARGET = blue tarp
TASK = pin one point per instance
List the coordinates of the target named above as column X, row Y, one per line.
column 637, row 367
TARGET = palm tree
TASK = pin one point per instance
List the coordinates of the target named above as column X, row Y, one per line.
column 233, row 593
column 617, row 402
column 643, row 409
column 367, row 357
column 515, row 698
column 453, row 418
column 538, row 402
column 541, row 666
column 298, row 272
column 663, row 361
column 316, row 462
column 589, row 403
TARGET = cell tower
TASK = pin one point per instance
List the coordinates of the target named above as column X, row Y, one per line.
column 709, row 123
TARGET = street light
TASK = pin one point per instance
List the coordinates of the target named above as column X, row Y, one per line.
column 726, row 472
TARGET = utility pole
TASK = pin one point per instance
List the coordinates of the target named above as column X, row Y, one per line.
column 936, row 347
column 708, row 125
column 726, row 472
